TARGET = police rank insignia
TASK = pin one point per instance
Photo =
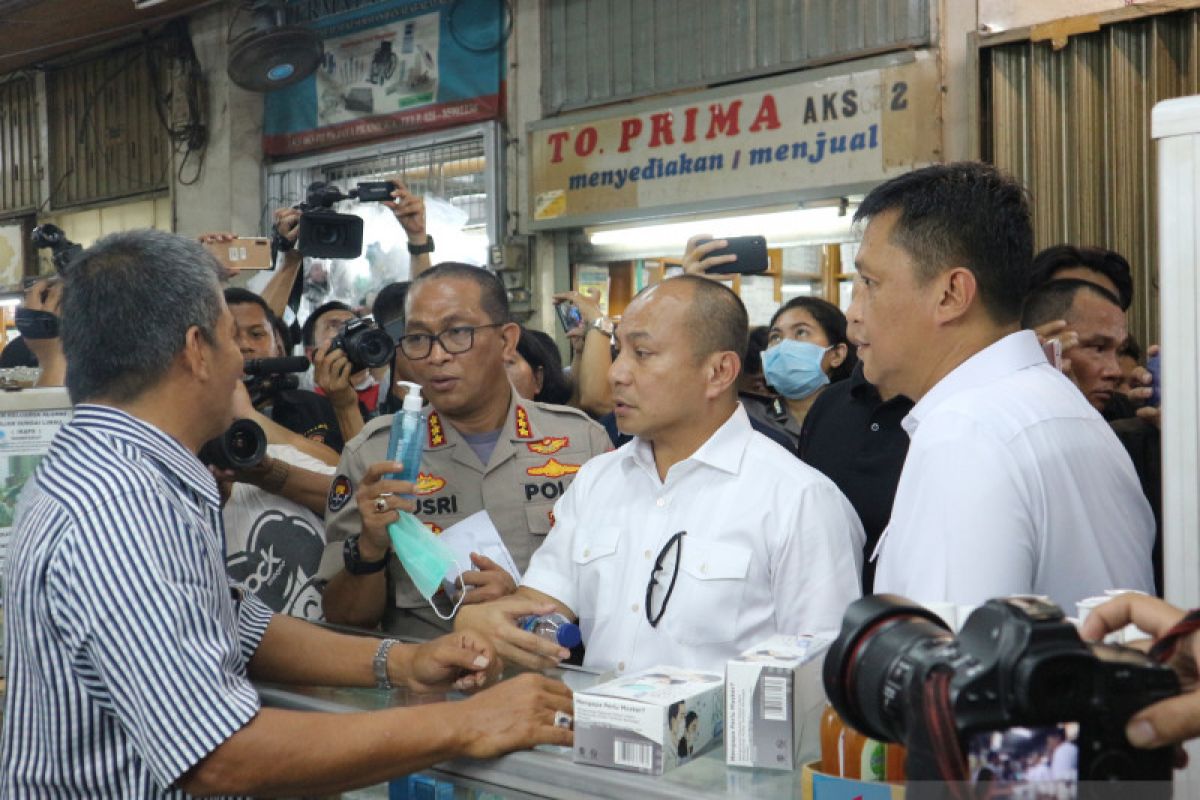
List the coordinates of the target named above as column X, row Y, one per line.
column 523, row 429
column 429, row 484
column 340, row 492
column 437, row 434
column 552, row 469
column 549, row 446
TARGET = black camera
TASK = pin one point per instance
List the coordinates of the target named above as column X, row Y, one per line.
column 267, row 378
column 241, row 446
column 1016, row 671
column 365, row 345
column 324, row 233
column 62, row 249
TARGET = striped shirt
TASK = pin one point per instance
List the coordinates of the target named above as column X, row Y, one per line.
column 127, row 646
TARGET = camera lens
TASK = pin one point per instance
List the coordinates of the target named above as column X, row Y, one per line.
column 870, row 665
column 327, row 234
column 241, row 446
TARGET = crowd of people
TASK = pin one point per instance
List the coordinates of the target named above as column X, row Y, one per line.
column 975, row 425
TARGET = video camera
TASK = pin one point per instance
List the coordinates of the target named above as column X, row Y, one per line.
column 1017, row 675
column 62, row 249
column 324, row 233
column 266, row 378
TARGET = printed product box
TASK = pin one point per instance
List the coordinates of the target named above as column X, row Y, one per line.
column 773, row 702
column 651, row 721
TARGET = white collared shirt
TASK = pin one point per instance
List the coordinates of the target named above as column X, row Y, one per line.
column 772, row 546
column 1013, row 484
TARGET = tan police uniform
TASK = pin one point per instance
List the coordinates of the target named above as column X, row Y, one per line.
column 538, row 452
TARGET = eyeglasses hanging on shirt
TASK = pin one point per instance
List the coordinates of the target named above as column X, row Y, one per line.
column 658, row 594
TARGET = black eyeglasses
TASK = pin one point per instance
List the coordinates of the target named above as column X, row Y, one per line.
column 674, row 546
column 458, row 339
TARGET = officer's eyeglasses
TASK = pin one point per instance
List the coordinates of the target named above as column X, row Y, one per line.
column 458, row 339
column 658, row 596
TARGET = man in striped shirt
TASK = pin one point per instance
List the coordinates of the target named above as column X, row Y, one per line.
column 130, row 655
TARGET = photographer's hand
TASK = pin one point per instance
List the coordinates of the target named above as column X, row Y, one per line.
column 696, row 260
column 409, row 209
column 1170, row 721
column 46, row 295
column 331, row 372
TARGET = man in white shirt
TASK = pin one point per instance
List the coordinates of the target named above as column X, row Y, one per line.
column 1013, row 483
column 700, row 537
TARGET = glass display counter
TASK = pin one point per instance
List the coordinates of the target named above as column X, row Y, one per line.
column 545, row 771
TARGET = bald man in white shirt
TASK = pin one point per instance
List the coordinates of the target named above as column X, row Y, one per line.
column 1013, row 483
column 701, row 537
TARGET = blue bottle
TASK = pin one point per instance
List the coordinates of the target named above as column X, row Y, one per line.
column 554, row 627
column 424, row 557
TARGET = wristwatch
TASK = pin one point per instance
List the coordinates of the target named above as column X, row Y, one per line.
column 418, row 249
column 604, row 325
column 379, row 664
column 353, row 559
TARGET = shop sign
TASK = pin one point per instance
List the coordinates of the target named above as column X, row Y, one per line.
column 771, row 137
column 393, row 68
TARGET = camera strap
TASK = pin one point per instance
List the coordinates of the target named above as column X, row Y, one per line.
column 1164, row 647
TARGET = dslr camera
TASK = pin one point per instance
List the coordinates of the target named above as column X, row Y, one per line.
column 896, row 673
column 324, row 233
column 365, row 344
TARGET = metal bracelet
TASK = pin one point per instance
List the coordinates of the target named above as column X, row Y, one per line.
column 382, row 681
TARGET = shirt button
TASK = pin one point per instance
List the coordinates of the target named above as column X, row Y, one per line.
column 704, row 569
column 586, row 552
column 660, row 502
column 875, row 426
column 649, row 554
column 635, row 608
column 621, row 666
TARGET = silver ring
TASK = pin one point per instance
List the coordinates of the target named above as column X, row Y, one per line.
column 563, row 720
column 381, row 504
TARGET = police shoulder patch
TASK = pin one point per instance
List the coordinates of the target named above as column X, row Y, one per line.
column 340, row 492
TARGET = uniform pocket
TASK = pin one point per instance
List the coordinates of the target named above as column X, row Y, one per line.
column 707, row 601
column 597, row 566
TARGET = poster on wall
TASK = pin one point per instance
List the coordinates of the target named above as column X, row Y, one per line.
column 12, row 252
column 392, row 68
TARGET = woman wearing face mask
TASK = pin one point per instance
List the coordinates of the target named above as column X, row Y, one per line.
column 807, row 349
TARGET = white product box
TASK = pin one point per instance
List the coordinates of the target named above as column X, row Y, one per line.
column 773, row 703
column 651, row 721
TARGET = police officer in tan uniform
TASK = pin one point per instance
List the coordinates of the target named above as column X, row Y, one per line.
column 486, row 449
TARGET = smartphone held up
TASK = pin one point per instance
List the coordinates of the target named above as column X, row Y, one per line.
column 749, row 252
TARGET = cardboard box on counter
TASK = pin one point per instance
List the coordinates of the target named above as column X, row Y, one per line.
column 773, row 703
column 651, row 721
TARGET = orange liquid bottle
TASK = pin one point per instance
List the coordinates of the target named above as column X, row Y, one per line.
column 832, row 731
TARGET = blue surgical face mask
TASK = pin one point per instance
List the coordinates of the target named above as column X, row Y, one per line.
column 794, row 368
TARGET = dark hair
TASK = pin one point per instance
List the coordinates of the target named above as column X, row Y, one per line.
column 833, row 325
column 492, row 294
column 673, row 710
column 308, row 333
column 540, row 351
column 1053, row 300
column 235, row 296
column 389, row 303
column 691, row 717
column 963, row 214
column 755, row 344
column 1108, row 263
column 128, row 302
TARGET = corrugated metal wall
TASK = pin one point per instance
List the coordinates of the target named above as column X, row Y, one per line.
column 600, row 51
column 20, row 158
column 1074, row 125
column 106, row 139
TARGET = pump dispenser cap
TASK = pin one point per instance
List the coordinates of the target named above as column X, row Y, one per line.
column 412, row 400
